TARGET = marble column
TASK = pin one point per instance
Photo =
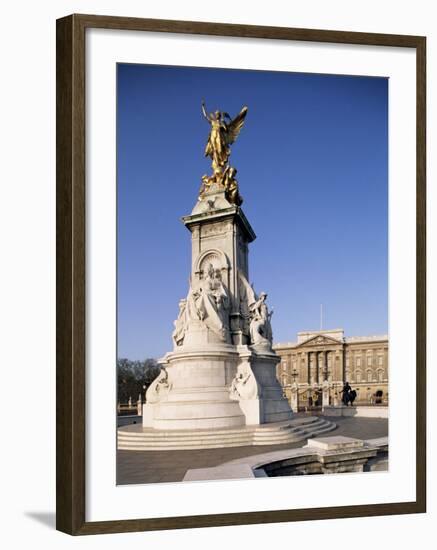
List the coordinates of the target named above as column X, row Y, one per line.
column 314, row 368
column 341, row 365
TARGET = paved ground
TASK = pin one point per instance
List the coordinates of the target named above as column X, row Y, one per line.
column 168, row 466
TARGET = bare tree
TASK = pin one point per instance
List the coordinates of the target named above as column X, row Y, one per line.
column 134, row 377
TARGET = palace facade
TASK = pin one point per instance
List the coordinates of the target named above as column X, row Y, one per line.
column 326, row 359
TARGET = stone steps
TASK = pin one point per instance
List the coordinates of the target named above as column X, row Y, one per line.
column 288, row 425
column 293, row 435
column 263, row 431
column 139, row 432
column 137, row 438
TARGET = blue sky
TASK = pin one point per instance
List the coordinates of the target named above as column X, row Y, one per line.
column 312, row 168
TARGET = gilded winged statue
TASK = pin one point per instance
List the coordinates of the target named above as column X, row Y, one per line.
column 224, row 131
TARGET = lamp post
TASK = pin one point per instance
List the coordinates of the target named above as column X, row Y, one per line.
column 294, row 374
column 326, row 387
column 294, row 394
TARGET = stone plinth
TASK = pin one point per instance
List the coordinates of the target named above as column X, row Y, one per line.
column 272, row 404
column 332, row 443
column 197, row 395
column 220, row 235
column 219, row 386
column 372, row 411
column 221, row 374
column 294, row 401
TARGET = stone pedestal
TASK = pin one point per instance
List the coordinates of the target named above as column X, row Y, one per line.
column 295, row 397
column 257, row 389
column 220, row 235
column 195, row 392
column 325, row 394
column 222, row 386
column 221, row 373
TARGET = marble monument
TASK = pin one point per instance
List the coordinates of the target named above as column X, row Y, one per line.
column 221, row 373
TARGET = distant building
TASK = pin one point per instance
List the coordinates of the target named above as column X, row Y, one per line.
column 326, row 355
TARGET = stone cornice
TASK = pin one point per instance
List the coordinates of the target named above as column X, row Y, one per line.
column 233, row 212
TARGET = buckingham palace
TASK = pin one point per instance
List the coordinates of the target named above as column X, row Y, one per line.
column 313, row 369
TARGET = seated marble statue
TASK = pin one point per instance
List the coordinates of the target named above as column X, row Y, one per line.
column 181, row 324
column 260, row 326
column 208, row 301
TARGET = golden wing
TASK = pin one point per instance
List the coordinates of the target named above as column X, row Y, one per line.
column 234, row 127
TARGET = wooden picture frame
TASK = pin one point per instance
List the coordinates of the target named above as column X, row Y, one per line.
column 71, row 254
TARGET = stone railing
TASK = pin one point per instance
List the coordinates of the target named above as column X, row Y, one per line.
column 324, row 455
column 130, row 408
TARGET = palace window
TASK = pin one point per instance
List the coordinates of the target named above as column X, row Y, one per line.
column 358, row 376
column 380, row 376
column 358, row 362
column 369, row 361
column 369, row 376
column 380, row 360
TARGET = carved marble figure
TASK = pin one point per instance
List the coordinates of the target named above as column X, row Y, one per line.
column 260, row 326
column 243, row 385
column 208, row 302
column 181, row 324
column 159, row 388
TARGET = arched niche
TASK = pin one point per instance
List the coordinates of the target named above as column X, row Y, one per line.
column 217, row 258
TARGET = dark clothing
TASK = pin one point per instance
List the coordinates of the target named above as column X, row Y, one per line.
column 346, row 391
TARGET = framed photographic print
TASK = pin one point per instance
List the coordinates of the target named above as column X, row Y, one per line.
column 240, row 274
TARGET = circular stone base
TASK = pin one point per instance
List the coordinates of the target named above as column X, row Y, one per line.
column 138, row 438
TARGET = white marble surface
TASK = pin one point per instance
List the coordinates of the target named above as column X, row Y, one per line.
column 222, row 371
column 335, row 442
